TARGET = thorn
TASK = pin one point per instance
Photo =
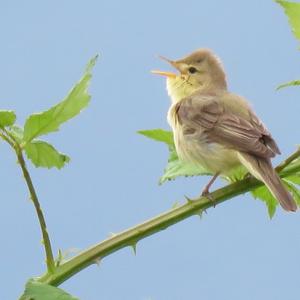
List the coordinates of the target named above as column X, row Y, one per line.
column 112, row 234
column 175, row 205
column 133, row 246
column 211, row 198
column 59, row 258
column 189, row 200
column 200, row 212
column 97, row 261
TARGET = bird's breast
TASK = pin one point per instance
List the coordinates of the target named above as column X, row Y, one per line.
column 192, row 145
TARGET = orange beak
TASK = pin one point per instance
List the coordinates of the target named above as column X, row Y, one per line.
column 163, row 73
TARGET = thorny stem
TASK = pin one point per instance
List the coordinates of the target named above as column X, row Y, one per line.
column 131, row 236
column 58, row 274
column 5, row 135
column 39, row 212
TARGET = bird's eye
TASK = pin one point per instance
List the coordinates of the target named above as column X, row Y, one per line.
column 192, row 70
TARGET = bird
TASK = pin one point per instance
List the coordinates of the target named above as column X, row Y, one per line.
column 216, row 129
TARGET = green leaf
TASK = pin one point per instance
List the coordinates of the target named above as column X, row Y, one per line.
column 236, row 174
column 291, row 169
column 159, row 135
column 7, row 118
column 45, row 155
column 294, row 178
column 49, row 121
column 291, row 83
column 41, row 291
column 175, row 166
column 265, row 195
column 292, row 10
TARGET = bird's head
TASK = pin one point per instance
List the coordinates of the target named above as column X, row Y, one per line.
column 201, row 70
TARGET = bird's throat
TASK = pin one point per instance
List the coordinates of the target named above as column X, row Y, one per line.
column 178, row 88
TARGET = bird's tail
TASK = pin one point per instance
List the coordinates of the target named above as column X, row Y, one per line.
column 262, row 169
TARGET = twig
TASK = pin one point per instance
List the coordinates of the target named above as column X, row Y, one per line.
column 287, row 161
column 39, row 212
column 5, row 135
column 132, row 236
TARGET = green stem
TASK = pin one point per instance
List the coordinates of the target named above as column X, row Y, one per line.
column 131, row 236
column 39, row 212
column 6, row 136
column 287, row 161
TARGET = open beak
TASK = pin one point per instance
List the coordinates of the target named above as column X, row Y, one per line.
column 163, row 73
column 167, row 74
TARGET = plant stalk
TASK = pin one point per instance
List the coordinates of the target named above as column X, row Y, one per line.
column 39, row 212
column 132, row 236
column 287, row 161
column 9, row 138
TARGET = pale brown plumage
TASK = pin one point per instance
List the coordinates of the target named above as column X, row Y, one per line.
column 220, row 125
column 217, row 129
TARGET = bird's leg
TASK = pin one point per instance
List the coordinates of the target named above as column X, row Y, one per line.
column 205, row 191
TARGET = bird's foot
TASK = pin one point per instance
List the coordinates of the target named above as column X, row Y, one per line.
column 205, row 193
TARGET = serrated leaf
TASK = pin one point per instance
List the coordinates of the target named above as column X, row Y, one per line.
column 49, row 121
column 236, row 174
column 295, row 192
column 41, row 291
column 292, row 10
column 7, row 118
column 265, row 195
column 175, row 168
column 159, row 135
column 43, row 154
column 291, row 83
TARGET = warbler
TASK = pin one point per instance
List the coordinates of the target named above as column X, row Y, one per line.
column 216, row 129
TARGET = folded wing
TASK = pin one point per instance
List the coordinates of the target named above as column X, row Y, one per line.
column 221, row 125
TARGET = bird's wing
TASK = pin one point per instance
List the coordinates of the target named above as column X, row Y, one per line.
column 221, row 125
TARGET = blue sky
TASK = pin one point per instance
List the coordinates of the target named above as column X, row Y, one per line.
column 235, row 251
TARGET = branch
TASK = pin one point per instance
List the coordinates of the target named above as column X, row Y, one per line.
column 9, row 138
column 39, row 212
column 131, row 236
column 287, row 161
